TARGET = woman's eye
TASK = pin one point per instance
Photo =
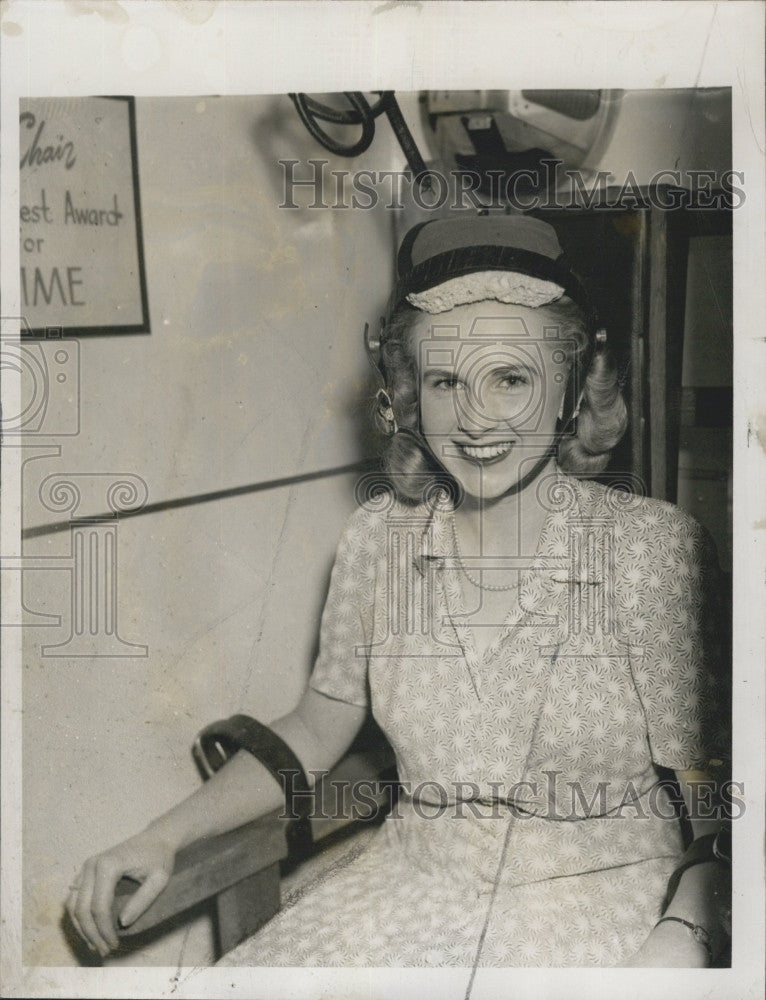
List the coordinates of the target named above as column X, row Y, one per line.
column 511, row 381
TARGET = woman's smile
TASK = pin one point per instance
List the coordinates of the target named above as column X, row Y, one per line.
column 485, row 454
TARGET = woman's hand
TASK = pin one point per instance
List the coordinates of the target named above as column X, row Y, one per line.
column 147, row 858
column 670, row 945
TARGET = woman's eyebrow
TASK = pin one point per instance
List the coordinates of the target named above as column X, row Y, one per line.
column 515, row 366
column 507, row 368
column 503, row 366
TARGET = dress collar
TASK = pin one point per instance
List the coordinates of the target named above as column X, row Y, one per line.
column 563, row 495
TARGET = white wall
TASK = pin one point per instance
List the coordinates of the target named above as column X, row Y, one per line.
column 253, row 370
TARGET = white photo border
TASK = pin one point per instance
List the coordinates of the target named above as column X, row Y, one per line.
column 146, row 48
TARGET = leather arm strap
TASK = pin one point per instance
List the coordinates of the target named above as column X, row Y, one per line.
column 219, row 741
column 711, row 847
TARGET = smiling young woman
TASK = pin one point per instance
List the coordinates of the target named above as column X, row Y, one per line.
column 534, row 645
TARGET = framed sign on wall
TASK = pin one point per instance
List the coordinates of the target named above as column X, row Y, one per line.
column 82, row 259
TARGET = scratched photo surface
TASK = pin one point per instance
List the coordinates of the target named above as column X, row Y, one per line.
column 245, row 475
column 182, row 517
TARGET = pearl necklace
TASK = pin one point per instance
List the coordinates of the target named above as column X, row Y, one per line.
column 476, row 583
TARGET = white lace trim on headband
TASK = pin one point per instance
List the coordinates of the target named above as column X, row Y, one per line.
column 504, row 286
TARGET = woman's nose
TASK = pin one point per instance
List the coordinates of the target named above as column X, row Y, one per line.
column 473, row 416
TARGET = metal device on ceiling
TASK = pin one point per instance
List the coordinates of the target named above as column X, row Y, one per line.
column 505, row 137
column 502, row 137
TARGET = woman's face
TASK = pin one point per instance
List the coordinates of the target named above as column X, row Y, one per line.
column 492, row 380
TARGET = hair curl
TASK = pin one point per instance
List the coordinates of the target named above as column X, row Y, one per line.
column 601, row 422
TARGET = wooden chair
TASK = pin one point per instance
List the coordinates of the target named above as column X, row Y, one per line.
column 241, row 870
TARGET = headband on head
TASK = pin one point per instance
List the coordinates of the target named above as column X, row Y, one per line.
column 469, row 258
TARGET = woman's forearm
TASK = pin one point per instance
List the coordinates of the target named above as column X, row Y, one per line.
column 241, row 791
column 703, row 894
column 703, row 898
column 318, row 731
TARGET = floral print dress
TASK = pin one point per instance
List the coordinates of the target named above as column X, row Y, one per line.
column 533, row 828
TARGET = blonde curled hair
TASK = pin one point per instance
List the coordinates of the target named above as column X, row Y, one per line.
column 601, row 421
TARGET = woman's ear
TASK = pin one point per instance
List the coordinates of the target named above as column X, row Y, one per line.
column 385, row 405
column 578, row 404
column 566, row 395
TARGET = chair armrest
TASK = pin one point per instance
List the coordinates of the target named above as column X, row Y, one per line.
column 213, row 864
column 207, row 867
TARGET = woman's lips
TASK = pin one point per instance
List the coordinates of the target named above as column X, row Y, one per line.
column 485, row 452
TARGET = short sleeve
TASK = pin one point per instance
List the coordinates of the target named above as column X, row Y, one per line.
column 340, row 670
column 674, row 618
